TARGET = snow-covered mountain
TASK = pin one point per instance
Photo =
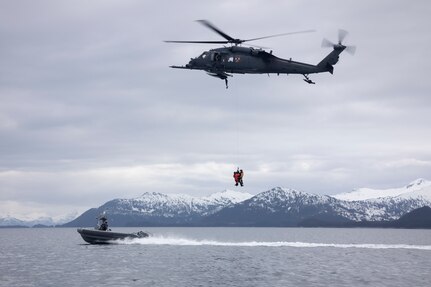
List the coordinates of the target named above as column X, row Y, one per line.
column 154, row 208
column 276, row 207
column 288, row 207
column 12, row 221
column 158, row 204
column 45, row 221
column 386, row 204
column 415, row 189
column 287, row 198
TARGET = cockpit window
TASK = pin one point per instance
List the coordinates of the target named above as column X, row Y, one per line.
column 203, row 56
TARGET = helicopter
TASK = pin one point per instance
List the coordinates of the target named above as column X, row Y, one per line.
column 236, row 59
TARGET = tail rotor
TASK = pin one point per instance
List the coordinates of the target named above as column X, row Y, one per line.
column 342, row 34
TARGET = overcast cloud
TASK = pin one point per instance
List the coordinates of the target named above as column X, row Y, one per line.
column 90, row 110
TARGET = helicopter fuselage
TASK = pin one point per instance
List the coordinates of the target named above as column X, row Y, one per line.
column 221, row 62
column 247, row 60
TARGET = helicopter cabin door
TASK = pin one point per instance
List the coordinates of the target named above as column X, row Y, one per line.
column 217, row 60
column 216, row 57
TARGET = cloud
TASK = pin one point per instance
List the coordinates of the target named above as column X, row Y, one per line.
column 90, row 110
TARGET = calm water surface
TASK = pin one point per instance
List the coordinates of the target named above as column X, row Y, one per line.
column 219, row 257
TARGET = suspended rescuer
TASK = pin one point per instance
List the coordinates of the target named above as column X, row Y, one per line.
column 238, row 175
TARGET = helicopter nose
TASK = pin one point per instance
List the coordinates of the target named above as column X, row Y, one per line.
column 191, row 62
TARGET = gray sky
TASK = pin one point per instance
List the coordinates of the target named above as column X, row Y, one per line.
column 90, row 110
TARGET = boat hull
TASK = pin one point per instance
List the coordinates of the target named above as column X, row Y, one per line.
column 94, row 236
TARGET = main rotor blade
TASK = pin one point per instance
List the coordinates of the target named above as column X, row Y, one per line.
column 199, row 42
column 279, row 35
column 215, row 29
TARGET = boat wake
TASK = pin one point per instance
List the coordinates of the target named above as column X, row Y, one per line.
column 177, row 241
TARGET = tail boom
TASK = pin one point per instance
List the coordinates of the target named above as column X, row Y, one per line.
column 327, row 64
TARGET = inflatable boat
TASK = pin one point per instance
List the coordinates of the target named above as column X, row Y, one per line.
column 94, row 236
column 101, row 234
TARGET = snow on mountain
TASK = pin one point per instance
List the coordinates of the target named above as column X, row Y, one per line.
column 229, row 195
column 276, row 207
column 47, row 221
column 385, row 204
column 417, row 188
column 59, row 220
column 382, row 208
column 12, row 221
column 287, row 197
column 424, row 192
column 170, row 205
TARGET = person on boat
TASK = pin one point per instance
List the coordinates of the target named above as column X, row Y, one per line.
column 103, row 222
column 104, row 225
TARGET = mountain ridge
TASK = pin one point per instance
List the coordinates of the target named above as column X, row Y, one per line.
column 158, row 209
column 41, row 221
column 275, row 207
column 419, row 186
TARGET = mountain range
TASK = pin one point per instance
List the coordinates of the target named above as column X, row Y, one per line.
column 158, row 209
column 275, row 207
column 10, row 221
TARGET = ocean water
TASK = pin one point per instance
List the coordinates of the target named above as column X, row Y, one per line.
column 218, row 257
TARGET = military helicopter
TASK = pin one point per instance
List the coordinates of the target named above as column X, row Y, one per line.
column 235, row 59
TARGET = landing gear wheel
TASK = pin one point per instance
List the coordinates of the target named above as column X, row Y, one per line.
column 307, row 79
